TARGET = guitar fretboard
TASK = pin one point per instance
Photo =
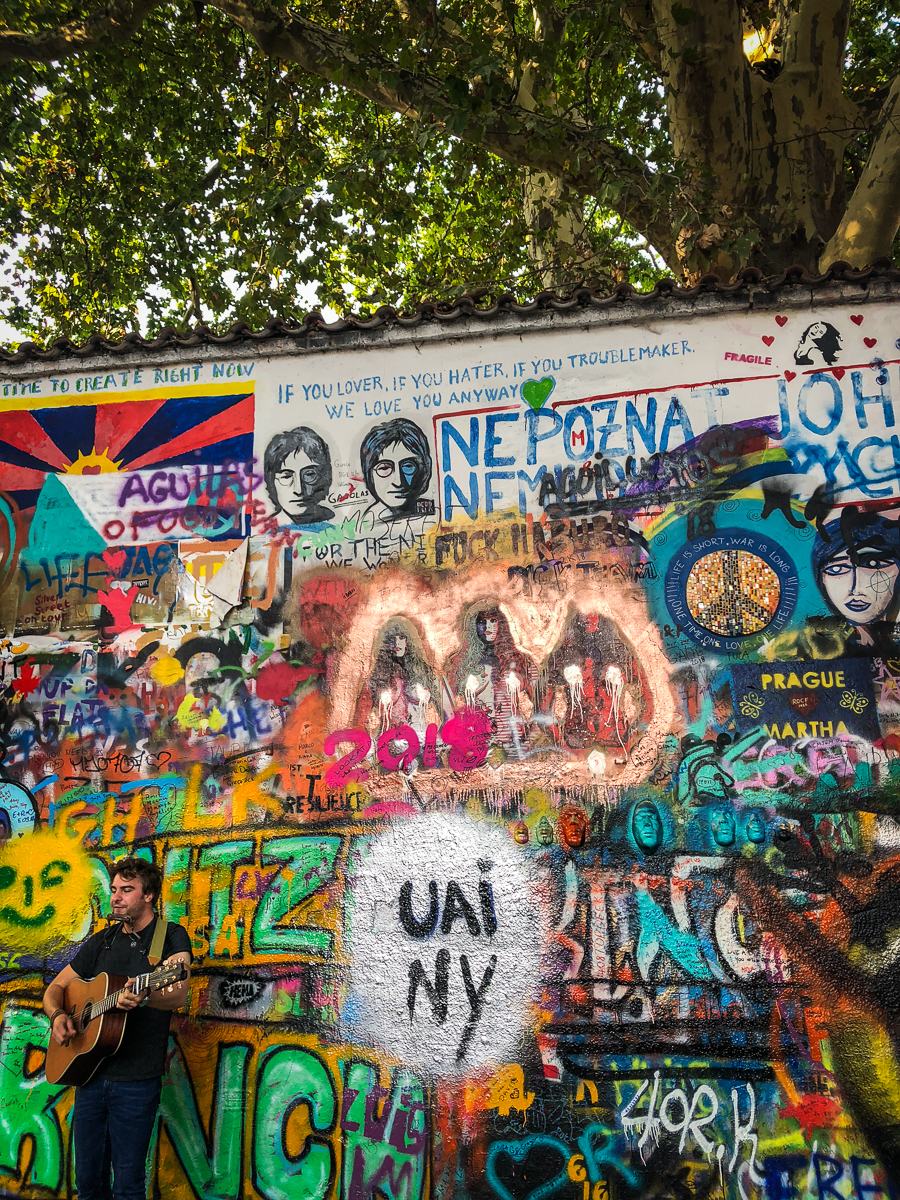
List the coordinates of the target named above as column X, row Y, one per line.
column 154, row 981
column 103, row 1006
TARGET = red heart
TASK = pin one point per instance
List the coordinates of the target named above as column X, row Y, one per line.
column 115, row 559
column 781, row 321
column 789, row 375
column 838, row 372
column 804, row 703
column 870, row 342
column 857, row 320
column 768, row 340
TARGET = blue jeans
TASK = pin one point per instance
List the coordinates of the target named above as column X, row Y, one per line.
column 113, row 1123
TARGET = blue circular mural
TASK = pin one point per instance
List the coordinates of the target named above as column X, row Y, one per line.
column 730, row 586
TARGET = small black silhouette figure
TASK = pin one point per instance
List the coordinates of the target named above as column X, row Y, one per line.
column 820, row 338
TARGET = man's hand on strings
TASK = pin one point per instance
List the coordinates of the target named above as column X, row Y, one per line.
column 130, row 999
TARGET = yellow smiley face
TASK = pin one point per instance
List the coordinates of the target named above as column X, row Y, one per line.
column 45, row 891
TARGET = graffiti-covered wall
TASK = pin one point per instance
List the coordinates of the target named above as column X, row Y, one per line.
column 513, row 707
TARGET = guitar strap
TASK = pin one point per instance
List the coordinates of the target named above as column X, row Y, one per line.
column 154, row 954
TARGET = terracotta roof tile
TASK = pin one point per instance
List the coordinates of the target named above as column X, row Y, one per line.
column 749, row 280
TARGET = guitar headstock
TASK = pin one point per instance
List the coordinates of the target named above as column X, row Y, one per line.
column 166, row 976
column 162, row 977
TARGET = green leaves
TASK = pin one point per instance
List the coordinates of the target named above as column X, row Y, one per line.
column 110, row 196
column 189, row 166
column 683, row 15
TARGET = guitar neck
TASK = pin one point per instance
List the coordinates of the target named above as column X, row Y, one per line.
column 110, row 1002
column 86, row 1008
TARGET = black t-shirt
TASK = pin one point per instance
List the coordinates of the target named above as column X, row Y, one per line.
column 142, row 1054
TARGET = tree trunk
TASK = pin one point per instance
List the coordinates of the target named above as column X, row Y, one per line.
column 763, row 153
column 558, row 239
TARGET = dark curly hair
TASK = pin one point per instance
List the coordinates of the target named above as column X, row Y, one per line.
column 138, row 868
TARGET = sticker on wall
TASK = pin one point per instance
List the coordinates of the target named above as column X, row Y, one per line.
column 730, row 586
column 797, row 700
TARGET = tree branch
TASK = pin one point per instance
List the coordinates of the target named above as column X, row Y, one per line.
column 872, row 217
column 416, row 14
column 525, row 138
column 118, row 21
column 638, row 16
column 814, row 40
column 549, row 23
column 707, row 87
column 538, row 77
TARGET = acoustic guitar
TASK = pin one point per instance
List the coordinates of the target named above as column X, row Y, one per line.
column 91, row 1003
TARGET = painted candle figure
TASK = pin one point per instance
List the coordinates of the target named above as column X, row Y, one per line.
column 402, row 689
column 491, row 673
column 597, row 685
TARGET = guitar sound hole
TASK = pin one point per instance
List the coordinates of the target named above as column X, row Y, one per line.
column 86, row 1013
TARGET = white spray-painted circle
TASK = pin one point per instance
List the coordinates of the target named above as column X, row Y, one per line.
column 444, row 849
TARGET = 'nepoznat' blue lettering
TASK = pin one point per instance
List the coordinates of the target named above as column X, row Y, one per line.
column 533, row 420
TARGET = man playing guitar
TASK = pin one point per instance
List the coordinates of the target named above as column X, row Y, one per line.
column 114, row 1113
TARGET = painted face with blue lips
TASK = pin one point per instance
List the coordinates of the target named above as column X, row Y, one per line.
column 861, row 588
column 394, row 475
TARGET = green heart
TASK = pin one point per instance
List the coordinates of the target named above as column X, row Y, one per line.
column 535, row 392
